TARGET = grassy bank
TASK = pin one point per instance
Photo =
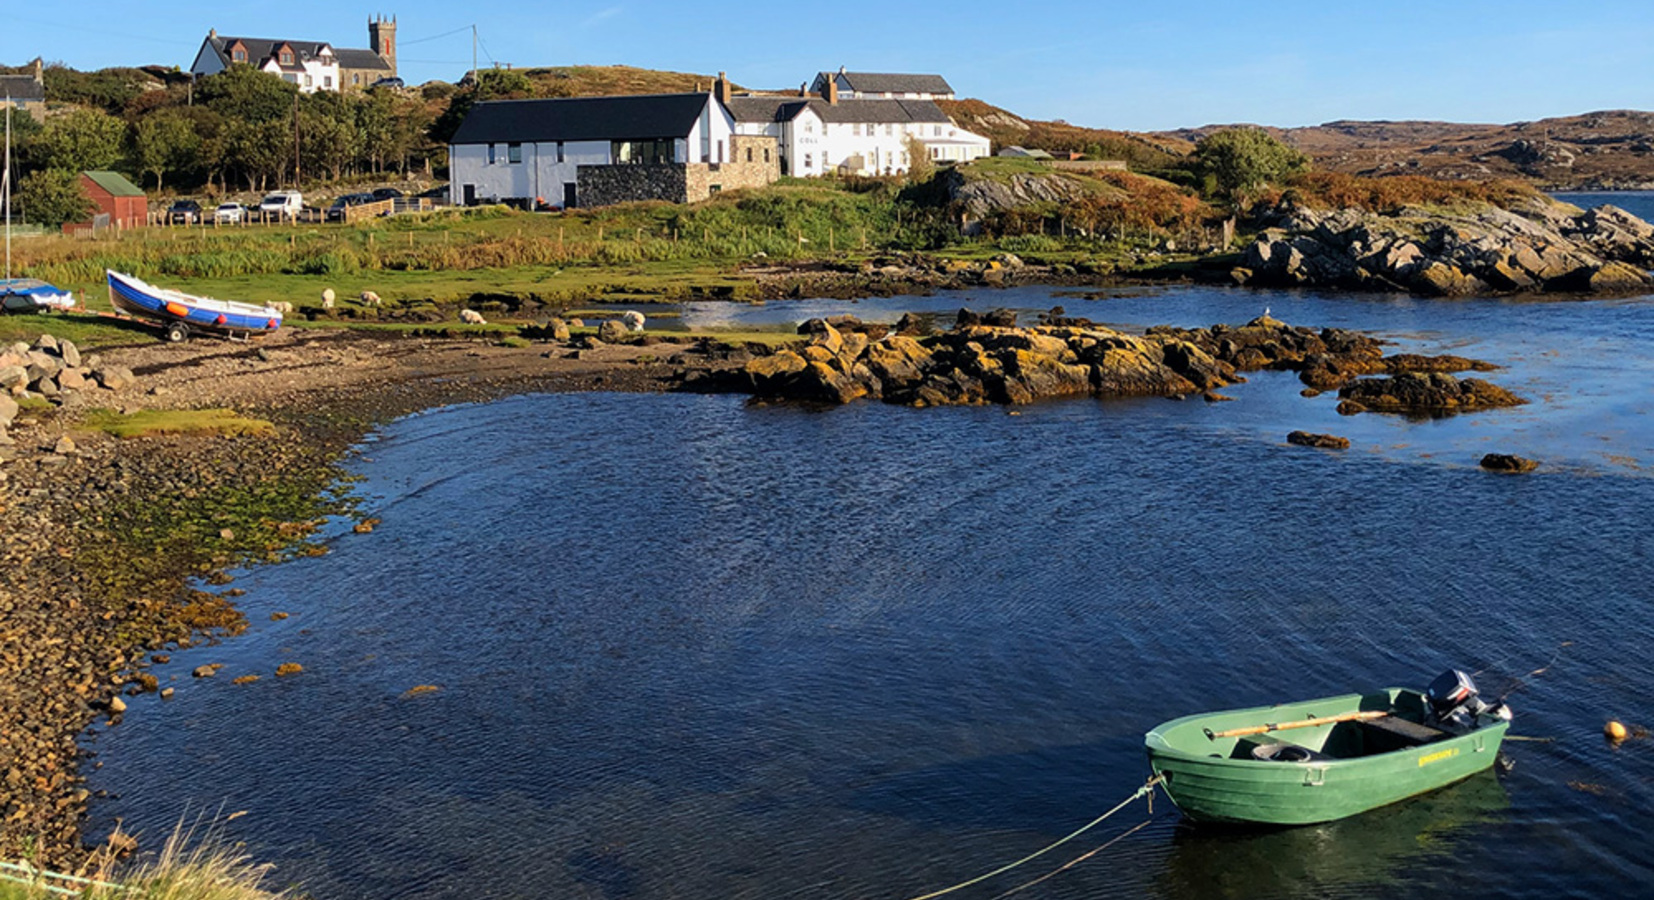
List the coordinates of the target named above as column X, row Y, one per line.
column 630, row 253
column 184, row 869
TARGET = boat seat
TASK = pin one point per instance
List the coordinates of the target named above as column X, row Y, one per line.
column 1394, row 732
column 1266, row 748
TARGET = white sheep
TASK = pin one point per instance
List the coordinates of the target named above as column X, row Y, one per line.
column 472, row 317
column 282, row 306
column 632, row 320
column 370, row 298
column 327, row 298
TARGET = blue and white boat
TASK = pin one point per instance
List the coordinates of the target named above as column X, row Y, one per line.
column 182, row 314
column 26, row 295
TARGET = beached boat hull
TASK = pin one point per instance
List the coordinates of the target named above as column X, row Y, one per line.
column 32, row 295
column 139, row 298
column 1219, row 780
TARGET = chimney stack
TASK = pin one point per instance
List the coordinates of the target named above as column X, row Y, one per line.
column 722, row 89
column 39, row 71
column 803, row 90
column 832, row 92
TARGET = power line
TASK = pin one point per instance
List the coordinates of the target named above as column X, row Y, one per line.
column 436, row 36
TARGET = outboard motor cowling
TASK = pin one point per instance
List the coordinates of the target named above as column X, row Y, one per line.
column 1454, row 701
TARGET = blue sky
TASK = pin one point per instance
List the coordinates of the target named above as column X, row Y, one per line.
column 1138, row 65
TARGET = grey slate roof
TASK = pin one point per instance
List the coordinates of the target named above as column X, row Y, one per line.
column 640, row 117
column 359, row 59
column 785, row 109
column 893, row 83
column 260, row 49
column 21, row 87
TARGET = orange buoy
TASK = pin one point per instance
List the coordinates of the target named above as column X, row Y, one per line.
column 177, row 309
column 1615, row 731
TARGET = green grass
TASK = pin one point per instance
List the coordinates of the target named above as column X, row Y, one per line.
column 153, row 422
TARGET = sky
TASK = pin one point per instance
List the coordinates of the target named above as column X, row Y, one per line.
column 1137, row 66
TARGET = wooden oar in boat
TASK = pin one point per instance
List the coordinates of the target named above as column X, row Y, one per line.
column 1301, row 723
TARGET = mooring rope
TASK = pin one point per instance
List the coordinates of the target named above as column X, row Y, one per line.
column 1147, row 788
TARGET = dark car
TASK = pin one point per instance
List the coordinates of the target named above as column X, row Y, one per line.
column 389, row 83
column 386, row 193
column 184, row 212
column 336, row 212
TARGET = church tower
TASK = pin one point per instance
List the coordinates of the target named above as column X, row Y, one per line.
column 382, row 40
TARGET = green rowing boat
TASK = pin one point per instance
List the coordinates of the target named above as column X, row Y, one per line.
column 1320, row 760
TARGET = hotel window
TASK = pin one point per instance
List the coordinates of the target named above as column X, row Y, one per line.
column 642, row 153
column 938, row 130
column 239, row 56
column 889, row 130
column 286, row 57
column 327, row 82
column 513, row 153
column 559, row 151
column 492, row 158
column 309, row 82
column 807, row 163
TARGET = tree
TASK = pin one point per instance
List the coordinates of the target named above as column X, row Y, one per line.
column 259, row 151
column 52, row 197
column 243, row 92
column 166, row 141
column 1241, row 160
column 919, row 167
column 84, row 139
column 327, row 143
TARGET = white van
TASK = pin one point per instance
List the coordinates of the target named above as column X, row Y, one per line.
column 282, row 204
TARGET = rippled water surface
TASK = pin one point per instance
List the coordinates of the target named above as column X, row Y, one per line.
column 691, row 648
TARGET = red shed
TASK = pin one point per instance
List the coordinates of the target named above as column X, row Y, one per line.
column 117, row 203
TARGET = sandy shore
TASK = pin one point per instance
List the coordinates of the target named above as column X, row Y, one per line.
column 88, row 597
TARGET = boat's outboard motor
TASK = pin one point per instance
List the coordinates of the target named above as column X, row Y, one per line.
column 1455, row 703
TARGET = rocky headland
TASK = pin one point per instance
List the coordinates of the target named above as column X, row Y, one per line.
column 1538, row 245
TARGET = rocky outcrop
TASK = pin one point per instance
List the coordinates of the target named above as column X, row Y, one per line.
column 980, row 196
column 1425, row 392
column 988, row 359
column 1320, row 441
column 1540, row 246
column 1505, row 462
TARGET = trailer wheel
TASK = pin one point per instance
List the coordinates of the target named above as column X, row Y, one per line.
column 177, row 332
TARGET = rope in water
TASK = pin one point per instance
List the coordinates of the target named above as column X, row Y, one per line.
column 1147, row 788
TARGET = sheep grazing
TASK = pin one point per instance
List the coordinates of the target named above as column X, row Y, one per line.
column 327, row 298
column 632, row 320
column 370, row 298
column 472, row 317
column 282, row 306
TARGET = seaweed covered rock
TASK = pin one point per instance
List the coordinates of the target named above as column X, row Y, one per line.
column 1425, row 392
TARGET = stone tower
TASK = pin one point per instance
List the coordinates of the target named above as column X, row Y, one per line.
column 382, row 40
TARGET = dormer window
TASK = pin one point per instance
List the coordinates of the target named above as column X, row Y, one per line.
column 239, row 55
column 286, row 57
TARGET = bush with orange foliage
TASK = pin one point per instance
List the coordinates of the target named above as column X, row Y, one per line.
column 1337, row 190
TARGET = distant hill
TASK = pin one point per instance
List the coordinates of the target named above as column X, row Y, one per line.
column 1608, row 149
column 598, row 81
column 1007, row 129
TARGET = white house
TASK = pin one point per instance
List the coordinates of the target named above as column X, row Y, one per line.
column 676, row 146
column 312, row 65
column 883, row 86
column 819, row 135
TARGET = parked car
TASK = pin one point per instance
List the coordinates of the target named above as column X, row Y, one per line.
column 282, row 204
column 184, row 212
column 228, row 212
column 336, row 212
column 388, row 83
column 386, row 193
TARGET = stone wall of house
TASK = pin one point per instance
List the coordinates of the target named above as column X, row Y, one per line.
column 755, row 160
column 608, row 185
column 680, row 182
